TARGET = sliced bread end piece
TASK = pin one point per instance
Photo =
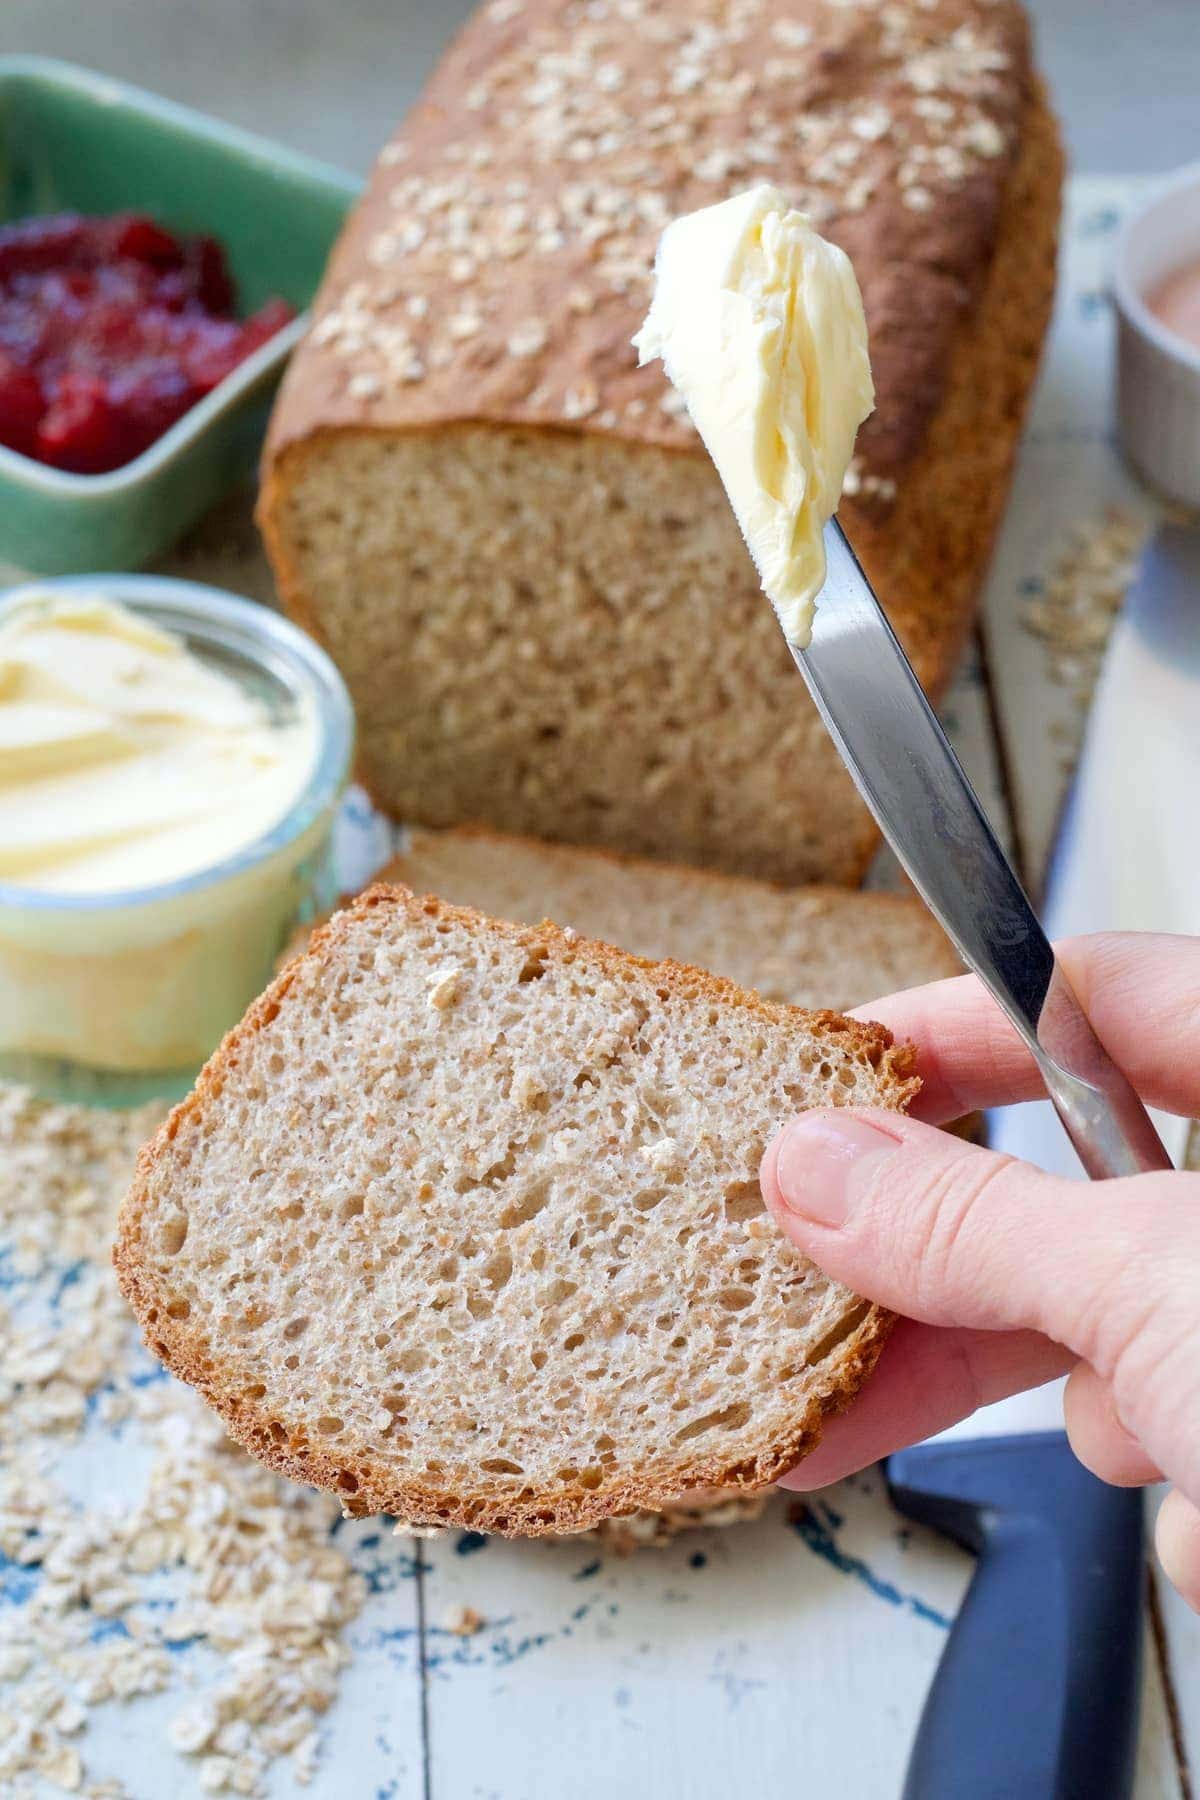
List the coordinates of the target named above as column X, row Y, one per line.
column 463, row 1223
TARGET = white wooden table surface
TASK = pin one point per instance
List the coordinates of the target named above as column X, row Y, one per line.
column 795, row 1651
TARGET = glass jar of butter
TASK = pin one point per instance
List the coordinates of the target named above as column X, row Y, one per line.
column 171, row 762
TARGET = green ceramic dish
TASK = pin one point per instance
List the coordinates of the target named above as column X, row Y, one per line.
column 74, row 141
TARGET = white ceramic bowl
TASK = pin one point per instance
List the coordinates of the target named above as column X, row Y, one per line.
column 1158, row 373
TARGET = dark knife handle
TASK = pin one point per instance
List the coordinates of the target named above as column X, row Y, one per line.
column 1037, row 1693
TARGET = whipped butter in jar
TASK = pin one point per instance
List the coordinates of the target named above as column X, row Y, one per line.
column 171, row 759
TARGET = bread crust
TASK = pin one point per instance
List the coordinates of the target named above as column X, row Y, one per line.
column 921, row 266
column 715, row 880
column 366, row 1487
column 927, row 555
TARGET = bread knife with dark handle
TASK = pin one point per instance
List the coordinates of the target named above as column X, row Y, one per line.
column 1043, row 1525
column 1037, row 1690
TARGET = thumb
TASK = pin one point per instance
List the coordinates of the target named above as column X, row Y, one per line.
column 951, row 1234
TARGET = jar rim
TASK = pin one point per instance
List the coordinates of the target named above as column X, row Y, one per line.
column 1164, row 199
column 262, row 636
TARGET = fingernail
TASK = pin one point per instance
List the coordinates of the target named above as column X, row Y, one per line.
column 815, row 1163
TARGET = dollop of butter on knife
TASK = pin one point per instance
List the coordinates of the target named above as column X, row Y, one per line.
column 759, row 324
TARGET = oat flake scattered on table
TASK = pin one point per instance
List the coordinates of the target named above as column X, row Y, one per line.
column 1074, row 612
column 210, row 1549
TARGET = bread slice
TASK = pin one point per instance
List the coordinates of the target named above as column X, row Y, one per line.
column 809, row 946
column 463, row 1222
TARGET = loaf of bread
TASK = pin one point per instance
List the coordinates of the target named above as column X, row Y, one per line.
column 463, row 1222
column 506, row 533
column 812, row 946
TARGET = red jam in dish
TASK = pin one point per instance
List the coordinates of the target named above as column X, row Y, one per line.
column 110, row 329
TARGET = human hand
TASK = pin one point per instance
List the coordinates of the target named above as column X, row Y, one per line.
column 1006, row 1276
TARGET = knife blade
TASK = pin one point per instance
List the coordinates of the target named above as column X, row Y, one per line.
column 906, row 771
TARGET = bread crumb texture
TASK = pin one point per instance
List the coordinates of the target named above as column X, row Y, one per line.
column 420, row 1255
column 207, row 1548
column 804, row 946
column 464, row 1622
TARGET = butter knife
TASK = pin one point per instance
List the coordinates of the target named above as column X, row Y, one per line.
column 891, row 742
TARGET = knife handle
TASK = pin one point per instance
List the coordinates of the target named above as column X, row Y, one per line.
column 1037, row 1692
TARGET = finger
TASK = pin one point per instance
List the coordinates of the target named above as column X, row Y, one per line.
column 1177, row 1540
column 951, row 1234
column 1141, row 992
column 926, row 1379
column 1098, row 1437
